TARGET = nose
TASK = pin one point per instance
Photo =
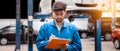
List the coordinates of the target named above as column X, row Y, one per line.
column 59, row 16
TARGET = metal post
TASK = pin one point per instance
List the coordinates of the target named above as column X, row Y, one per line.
column 98, row 36
column 30, row 24
column 17, row 48
column 113, row 13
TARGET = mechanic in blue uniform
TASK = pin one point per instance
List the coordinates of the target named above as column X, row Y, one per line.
column 59, row 28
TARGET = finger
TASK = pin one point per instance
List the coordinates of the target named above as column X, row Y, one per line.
column 63, row 46
column 51, row 37
column 54, row 37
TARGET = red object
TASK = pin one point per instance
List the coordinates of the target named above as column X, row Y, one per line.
column 116, row 38
column 116, row 34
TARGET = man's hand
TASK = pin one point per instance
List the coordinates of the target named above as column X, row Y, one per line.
column 52, row 37
column 64, row 46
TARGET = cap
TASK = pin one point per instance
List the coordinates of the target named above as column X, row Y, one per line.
column 59, row 6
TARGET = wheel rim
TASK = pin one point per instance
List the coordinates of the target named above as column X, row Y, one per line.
column 108, row 37
column 84, row 35
column 116, row 44
column 3, row 41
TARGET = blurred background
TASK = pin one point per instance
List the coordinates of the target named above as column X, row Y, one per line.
column 82, row 13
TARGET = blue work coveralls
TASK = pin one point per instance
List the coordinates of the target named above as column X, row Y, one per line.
column 68, row 31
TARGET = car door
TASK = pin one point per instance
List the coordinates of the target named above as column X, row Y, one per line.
column 11, row 33
column 119, row 34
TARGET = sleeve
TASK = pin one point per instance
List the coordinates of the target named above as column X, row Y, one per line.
column 40, row 41
column 75, row 44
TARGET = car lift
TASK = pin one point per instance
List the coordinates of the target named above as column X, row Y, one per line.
column 30, row 24
column 98, row 36
column 17, row 48
column 30, row 20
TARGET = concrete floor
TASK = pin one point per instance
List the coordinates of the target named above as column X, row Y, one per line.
column 87, row 44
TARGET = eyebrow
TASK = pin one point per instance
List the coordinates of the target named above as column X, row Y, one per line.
column 58, row 13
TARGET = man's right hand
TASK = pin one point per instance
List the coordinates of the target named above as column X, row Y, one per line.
column 52, row 37
column 63, row 46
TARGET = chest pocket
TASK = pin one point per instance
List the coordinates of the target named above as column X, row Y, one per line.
column 67, row 33
column 51, row 30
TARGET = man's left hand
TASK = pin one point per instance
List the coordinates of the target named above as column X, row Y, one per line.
column 64, row 46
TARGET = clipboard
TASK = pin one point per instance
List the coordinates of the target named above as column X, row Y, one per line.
column 55, row 43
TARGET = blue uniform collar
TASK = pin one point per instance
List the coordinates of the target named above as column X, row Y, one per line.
column 64, row 24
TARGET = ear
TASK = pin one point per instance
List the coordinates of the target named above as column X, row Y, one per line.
column 65, row 12
column 53, row 13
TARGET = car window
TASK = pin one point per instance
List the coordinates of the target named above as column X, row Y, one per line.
column 12, row 29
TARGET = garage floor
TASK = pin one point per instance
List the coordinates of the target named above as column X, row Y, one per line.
column 87, row 44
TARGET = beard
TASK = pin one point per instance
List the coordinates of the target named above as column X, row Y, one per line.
column 59, row 20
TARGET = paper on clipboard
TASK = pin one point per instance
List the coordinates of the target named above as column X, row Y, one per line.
column 55, row 43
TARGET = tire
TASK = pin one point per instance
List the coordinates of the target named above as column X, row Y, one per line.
column 107, row 37
column 3, row 41
column 117, row 44
column 83, row 35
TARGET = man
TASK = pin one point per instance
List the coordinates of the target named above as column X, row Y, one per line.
column 58, row 28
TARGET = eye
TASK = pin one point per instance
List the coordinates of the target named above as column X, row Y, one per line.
column 59, row 13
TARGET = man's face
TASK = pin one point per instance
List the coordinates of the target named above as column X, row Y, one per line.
column 59, row 15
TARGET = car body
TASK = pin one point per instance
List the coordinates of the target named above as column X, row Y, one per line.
column 8, row 34
column 116, row 37
column 106, row 28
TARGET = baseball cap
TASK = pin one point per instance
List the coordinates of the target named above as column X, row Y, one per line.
column 59, row 6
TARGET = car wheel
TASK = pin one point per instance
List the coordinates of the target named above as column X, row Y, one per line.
column 83, row 35
column 107, row 37
column 3, row 41
column 117, row 44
